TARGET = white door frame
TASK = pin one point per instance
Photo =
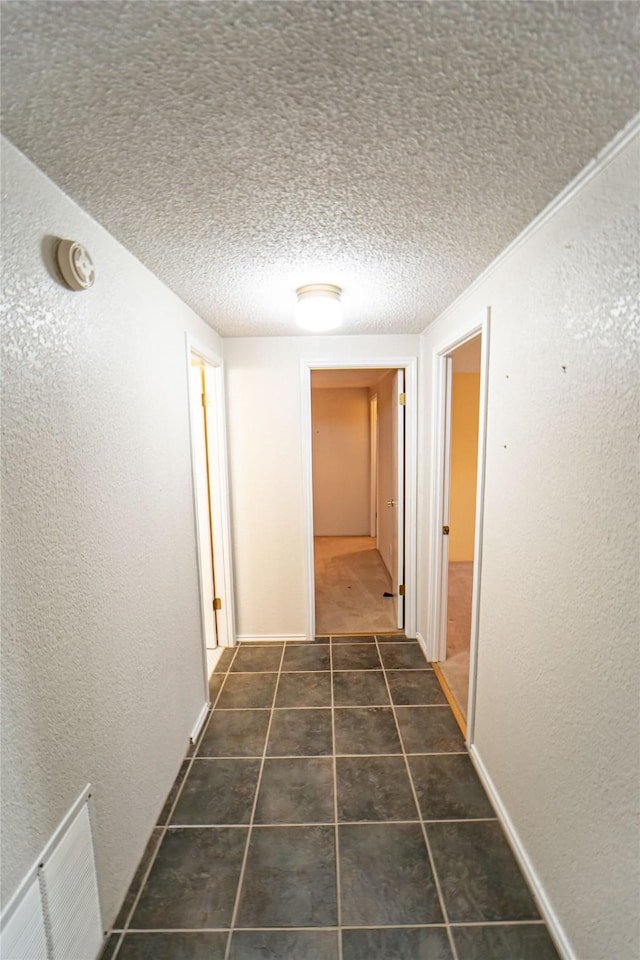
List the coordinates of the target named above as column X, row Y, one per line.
column 410, row 367
column 399, row 482
column 436, row 643
column 441, row 635
column 221, row 514
column 201, row 384
column 373, row 466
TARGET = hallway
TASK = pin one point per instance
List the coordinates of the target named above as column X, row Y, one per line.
column 328, row 812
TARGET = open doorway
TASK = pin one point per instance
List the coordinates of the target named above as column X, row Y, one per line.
column 358, row 438
column 463, row 408
column 211, row 502
column 459, row 404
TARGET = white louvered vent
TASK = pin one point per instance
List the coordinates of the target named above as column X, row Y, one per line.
column 55, row 915
column 23, row 935
column 70, row 893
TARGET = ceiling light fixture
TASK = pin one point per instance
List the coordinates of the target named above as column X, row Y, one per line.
column 318, row 308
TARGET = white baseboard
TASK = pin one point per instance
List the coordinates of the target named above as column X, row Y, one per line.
column 559, row 937
column 423, row 643
column 272, row 638
column 199, row 722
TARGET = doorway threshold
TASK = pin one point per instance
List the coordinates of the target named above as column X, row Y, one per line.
column 453, row 703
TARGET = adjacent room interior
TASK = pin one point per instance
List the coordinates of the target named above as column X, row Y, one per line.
column 355, row 500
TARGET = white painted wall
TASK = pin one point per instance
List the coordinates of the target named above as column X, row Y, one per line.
column 102, row 668
column 341, row 461
column 265, row 441
column 557, row 710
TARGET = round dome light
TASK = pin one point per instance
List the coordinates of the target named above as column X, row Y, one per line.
column 318, row 308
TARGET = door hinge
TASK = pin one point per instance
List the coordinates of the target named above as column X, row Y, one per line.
column 217, row 603
column 401, row 589
column 403, row 399
column 445, row 530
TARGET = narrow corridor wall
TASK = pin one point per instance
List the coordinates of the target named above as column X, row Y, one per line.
column 102, row 674
column 557, row 723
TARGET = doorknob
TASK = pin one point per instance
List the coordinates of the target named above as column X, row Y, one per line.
column 445, row 531
column 391, row 503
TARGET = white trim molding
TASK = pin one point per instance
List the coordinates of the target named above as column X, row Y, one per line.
column 410, row 367
column 202, row 716
column 519, row 851
column 222, row 559
column 223, row 555
column 423, row 643
column 480, row 324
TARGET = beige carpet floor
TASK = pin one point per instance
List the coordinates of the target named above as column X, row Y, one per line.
column 350, row 581
column 456, row 667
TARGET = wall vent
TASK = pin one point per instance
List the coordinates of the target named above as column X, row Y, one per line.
column 23, row 935
column 70, row 893
column 55, row 915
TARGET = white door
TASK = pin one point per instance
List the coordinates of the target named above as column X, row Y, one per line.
column 446, row 499
column 204, row 521
column 396, row 503
column 373, row 434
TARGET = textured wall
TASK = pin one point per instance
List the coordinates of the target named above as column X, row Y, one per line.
column 341, row 462
column 557, row 713
column 265, row 450
column 101, row 659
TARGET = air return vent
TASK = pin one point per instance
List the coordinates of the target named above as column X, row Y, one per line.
column 70, row 893
column 23, row 936
column 56, row 913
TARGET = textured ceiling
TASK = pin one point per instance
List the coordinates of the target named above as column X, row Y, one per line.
column 240, row 149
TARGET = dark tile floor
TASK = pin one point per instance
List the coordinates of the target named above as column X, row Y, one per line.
column 328, row 812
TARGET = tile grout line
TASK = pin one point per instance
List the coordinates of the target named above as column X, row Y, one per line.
column 324, row 638
column 236, row 905
column 340, row 706
column 232, row 928
column 335, row 809
column 436, row 880
column 259, row 673
column 332, row 929
column 322, row 823
column 116, row 949
column 316, row 756
column 170, row 812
